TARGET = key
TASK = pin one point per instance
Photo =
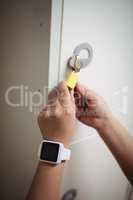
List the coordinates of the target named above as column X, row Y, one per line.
column 74, row 63
column 74, row 66
column 71, row 79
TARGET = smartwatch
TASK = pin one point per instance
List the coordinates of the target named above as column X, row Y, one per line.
column 53, row 152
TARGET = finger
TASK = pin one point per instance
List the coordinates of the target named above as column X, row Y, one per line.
column 55, row 110
column 53, row 93
column 80, row 88
column 42, row 113
column 78, row 97
column 84, row 90
column 63, row 89
column 79, row 112
column 64, row 95
column 72, row 95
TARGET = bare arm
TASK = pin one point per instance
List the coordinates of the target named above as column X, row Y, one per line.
column 57, row 123
column 93, row 111
column 120, row 143
column 46, row 183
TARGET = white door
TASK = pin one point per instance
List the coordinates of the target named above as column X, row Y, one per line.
column 108, row 27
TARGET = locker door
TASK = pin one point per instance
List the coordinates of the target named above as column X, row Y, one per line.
column 108, row 27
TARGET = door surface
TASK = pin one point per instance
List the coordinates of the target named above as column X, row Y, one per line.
column 108, row 27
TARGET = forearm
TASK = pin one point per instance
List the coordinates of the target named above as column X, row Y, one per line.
column 46, row 183
column 120, row 143
column 57, row 123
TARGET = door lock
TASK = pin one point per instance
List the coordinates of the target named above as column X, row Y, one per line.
column 76, row 63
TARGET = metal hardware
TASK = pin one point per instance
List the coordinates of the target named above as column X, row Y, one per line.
column 70, row 195
column 76, row 62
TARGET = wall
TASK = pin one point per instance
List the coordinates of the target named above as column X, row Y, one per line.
column 24, row 59
column 108, row 27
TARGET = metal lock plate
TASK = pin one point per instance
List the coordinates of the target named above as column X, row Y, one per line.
column 76, row 62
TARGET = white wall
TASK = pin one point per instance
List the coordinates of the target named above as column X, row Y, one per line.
column 24, row 55
column 108, row 27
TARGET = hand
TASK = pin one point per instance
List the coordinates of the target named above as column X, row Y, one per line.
column 91, row 108
column 57, row 119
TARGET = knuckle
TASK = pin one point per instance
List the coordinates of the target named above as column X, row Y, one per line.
column 42, row 114
column 53, row 94
column 56, row 112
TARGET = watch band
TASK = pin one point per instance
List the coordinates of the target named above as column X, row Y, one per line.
column 66, row 153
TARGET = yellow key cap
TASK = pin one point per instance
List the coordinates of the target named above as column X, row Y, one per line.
column 71, row 79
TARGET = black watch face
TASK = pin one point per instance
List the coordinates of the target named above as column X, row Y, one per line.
column 49, row 152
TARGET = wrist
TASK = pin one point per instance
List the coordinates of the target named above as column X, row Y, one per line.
column 106, row 124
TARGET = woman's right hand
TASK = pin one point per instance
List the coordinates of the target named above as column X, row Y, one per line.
column 91, row 108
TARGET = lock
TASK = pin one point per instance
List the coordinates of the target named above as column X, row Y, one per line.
column 75, row 63
column 74, row 66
